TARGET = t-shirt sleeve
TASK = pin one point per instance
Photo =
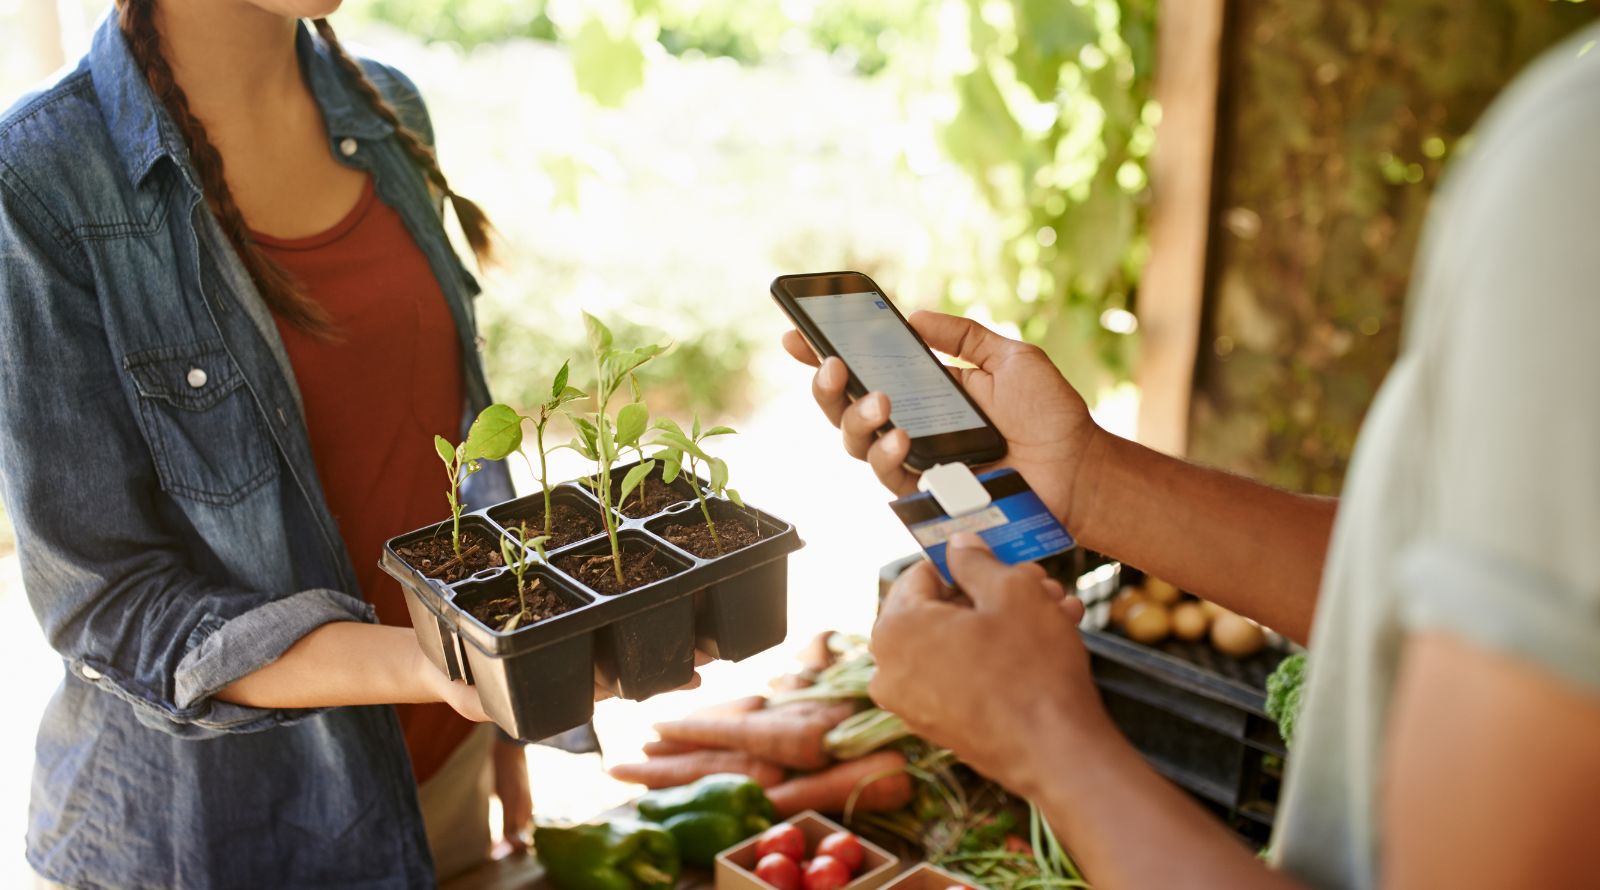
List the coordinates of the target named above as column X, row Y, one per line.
column 1509, row 556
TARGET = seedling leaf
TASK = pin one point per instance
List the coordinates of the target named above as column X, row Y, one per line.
column 696, row 434
column 635, row 476
column 495, row 434
column 559, row 387
column 733, row 495
column 670, row 468
column 599, row 334
column 670, row 425
column 719, row 474
column 632, row 420
column 679, row 443
column 718, row 431
column 446, row 451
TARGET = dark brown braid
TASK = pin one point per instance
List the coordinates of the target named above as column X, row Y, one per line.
column 281, row 292
column 474, row 222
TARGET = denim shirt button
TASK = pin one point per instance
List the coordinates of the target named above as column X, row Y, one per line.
column 196, row 378
column 347, row 146
column 90, row 673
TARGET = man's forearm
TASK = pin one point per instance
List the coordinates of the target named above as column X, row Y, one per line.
column 1128, row 827
column 1249, row 547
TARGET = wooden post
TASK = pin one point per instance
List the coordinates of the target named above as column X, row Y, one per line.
column 1171, row 295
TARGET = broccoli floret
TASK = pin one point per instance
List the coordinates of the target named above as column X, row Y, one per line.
column 1284, row 687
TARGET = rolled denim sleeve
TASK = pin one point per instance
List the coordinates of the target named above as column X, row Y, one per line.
column 226, row 651
column 110, row 568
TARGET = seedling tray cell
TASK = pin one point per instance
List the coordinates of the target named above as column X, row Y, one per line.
column 537, row 681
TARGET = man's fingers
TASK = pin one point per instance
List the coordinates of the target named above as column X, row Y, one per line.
column 861, row 421
column 916, row 586
column 1074, row 608
column 827, row 387
column 985, row 579
column 960, row 337
column 796, row 345
column 888, row 459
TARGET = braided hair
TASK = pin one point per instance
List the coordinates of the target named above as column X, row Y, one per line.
column 279, row 289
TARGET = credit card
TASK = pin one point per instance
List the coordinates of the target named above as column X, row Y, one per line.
column 1016, row 525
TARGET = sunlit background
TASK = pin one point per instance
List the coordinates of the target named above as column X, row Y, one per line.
column 657, row 163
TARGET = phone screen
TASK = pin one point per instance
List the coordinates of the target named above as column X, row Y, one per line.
column 887, row 357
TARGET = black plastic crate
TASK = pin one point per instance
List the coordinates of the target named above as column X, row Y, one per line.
column 1198, row 716
column 534, row 681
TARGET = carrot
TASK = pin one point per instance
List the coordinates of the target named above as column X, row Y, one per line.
column 877, row 783
column 681, row 769
column 791, row 682
column 660, row 748
column 791, row 735
column 816, row 656
column 733, row 708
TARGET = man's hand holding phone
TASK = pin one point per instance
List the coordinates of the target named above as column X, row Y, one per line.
column 1046, row 424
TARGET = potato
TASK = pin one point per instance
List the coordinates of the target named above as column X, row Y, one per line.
column 1160, row 591
column 1148, row 623
column 1125, row 601
column 1189, row 621
column 1213, row 611
column 1237, row 636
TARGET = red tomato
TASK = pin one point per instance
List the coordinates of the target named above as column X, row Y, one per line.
column 843, row 846
column 1016, row 844
column 782, row 838
column 780, row 871
column 826, row 873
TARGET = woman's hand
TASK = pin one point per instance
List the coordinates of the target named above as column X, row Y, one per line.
column 1004, row 682
column 455, row 693
column 1045, row 422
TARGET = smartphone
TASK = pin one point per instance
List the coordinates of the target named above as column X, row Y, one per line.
column 847, row 315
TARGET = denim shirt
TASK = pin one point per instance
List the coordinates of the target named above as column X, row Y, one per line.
column 172, row 531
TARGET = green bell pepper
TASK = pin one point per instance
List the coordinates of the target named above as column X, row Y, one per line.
column 623, row 854
column 710, row 815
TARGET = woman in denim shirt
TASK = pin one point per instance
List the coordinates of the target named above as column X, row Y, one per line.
column 223, row 720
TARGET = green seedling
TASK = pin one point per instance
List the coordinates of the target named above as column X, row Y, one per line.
column 560, row 395
column 600, row 437
column 680, row 449
column 514, row 546
column 495, row 433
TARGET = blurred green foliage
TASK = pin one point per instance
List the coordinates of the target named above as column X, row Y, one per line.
column 1045, row 103
column 1055, row 123
column 1339, row 118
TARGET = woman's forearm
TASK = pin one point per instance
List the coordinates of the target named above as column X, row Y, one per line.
column 342, row 663
column 1250, row 547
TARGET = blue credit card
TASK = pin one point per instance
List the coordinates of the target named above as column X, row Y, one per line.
column 1016, row 525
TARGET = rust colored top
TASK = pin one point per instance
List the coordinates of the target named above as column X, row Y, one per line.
column 374, row 400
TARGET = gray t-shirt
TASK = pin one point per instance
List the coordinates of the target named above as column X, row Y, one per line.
column 1473, row 501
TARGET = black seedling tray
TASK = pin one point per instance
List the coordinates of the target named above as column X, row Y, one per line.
column 1198, row 716
column 535, row 681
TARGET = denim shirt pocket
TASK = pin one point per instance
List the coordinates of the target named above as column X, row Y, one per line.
column 209, row 442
